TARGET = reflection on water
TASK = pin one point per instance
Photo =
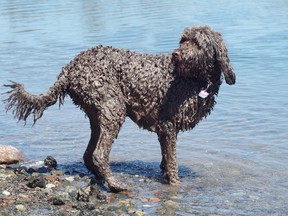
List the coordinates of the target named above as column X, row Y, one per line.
column 239, row 153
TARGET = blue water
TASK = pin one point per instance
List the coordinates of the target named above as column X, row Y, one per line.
column 239, row 153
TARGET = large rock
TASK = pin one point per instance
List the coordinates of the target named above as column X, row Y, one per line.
column 9, row 155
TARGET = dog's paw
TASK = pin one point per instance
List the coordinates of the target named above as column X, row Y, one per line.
column 118, row 187
column 175, row 181
column 172, row 180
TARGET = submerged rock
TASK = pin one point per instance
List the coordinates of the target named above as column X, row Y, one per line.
column 170, row 204
column 10, row 155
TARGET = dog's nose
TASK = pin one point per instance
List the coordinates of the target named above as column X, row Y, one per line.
column 176, row 55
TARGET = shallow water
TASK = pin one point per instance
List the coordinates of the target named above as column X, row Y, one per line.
column 234, row 162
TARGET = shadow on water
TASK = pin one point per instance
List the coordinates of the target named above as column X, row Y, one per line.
column 149, row 170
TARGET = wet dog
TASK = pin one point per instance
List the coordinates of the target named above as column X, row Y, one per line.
column 164, row 94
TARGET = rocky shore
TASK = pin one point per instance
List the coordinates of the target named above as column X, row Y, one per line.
column 40, row 189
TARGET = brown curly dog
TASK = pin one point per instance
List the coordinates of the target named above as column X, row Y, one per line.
column 161, row 93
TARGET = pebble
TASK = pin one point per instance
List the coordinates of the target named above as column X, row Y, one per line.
column 112, row 208
column 51, row 178
column 82, row 196
column 6, row 193
column 170, row 204
column 57, row 173
column 70, row 178
column 50, row 185
column 57, row 201
column 138, row 213
column 154, row 200
column 36, row 181
column 20, row 207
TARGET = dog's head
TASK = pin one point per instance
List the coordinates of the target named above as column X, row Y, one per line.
column 202, row 55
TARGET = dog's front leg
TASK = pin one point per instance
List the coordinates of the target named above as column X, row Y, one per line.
column 167, row 138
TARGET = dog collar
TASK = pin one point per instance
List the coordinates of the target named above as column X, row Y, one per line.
column 204, row 92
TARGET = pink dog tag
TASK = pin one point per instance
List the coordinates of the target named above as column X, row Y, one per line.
column 203, row 94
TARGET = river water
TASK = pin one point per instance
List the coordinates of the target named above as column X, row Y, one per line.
column 233, row 163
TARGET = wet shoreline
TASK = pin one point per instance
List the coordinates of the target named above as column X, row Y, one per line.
column 38, row 190
column 34, row 189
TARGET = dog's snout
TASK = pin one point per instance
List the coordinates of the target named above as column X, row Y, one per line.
column 176, row 55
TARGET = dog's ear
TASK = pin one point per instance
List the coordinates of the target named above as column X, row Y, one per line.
column 223, row 59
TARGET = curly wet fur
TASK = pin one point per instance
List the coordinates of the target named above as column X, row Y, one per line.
column 158, row 92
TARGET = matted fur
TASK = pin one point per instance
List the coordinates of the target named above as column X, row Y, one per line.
column 158, row 92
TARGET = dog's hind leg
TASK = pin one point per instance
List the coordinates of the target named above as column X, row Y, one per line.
column 167, row 137
column 105, row 126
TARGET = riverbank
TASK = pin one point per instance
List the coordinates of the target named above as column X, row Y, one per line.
column 39, row 190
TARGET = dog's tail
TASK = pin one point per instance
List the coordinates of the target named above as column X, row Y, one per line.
column 23, row 104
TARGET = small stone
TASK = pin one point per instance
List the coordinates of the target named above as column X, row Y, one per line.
column 10, row 173
column 50, row 185
column 82, row 196
column 6, row 193
column 154, row 200
column 101, row 196
column 24, row 196
column 10, row 155
column 138, row 213
column 36, row 181
column 57, row 201
column 170, row 204
column 6, row 200
column 21, row 170
column 70, row 178
column 50, row 162
column 20, row 207
column 88, row 190
column 77, row 178
column 35, row 174
column 112, row 208
column 51, row 178
column 57, row 173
